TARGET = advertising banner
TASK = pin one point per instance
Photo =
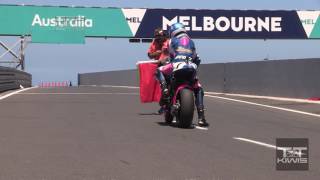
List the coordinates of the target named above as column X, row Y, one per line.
column 48, row 24
column 62, row 24
column 229, row 24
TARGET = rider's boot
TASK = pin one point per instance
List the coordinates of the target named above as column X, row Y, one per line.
column 199, row 94
column 164, row 92
column 164, row 88
column 161, row 110
column 163, row 100
column 201, row 118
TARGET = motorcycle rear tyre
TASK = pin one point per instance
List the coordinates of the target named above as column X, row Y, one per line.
column 185, row 115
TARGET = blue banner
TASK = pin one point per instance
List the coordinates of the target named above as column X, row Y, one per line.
column 226, row 24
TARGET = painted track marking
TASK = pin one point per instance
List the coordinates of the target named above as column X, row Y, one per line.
column 266, row 97
column 79, row 93
column 15, row 92
column 241, row 101
column 267, row 106
column 128, row 87
column 255, row 142
column 201, row 128
column 261, row 144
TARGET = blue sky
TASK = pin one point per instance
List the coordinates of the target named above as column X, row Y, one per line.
column 49, row 62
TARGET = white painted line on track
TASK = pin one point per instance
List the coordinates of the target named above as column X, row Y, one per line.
column 201, row 128
column 267, row 106
column 255, row 142
column 262, row 144
column 79, row 93
column 15, row 92
column 241, row 101
column 266, row 97
column 228, row 94
column 128, row 87
column 193, row 126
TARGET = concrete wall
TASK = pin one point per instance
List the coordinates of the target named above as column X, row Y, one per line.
column 119, row 78
column 212, row 76
column 12, row 79
column 285, row 78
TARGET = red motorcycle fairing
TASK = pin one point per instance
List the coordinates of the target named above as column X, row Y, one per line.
column 182, row 86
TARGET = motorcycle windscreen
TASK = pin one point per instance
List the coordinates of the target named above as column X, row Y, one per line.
column 150, row 90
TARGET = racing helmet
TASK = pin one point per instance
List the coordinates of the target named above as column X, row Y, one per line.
column 176, row 28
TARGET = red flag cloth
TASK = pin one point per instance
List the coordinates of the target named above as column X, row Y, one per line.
column 150, row 90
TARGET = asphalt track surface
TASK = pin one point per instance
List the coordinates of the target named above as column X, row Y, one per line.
column 106, row 133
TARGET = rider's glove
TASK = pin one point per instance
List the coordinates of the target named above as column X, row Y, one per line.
column 197, row 60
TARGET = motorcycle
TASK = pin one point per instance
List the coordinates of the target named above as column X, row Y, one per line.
column 181, row 102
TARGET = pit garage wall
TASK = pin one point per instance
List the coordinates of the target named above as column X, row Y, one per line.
column 298, row 78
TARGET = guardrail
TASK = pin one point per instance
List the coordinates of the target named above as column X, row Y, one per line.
column 298, row 78
column 12, row 79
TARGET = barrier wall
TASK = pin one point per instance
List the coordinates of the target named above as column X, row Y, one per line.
column 12, row 79
column 285, row 78
column 212, row 77
column 118, row 78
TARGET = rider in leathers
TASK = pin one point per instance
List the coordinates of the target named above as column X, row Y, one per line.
column 182, row 47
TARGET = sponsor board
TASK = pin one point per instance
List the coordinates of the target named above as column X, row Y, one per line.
column 228, row 24
column 47, row 24
column 310, row 23
column 73, row 24
column 134, row 18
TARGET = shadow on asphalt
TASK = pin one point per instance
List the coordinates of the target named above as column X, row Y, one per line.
column 174, row 125
column 149, row 114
